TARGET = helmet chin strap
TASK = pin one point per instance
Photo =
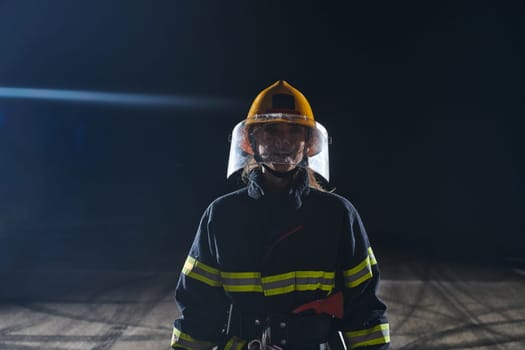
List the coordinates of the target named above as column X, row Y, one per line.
column 281, row 174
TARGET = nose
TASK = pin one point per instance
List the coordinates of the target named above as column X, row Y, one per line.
column 282, row 136
column 282, row 132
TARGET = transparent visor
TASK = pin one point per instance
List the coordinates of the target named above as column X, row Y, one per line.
column 282, row 143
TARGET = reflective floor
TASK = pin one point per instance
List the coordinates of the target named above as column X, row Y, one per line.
column 432, row 305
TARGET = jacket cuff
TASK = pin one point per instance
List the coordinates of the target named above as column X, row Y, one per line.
column 180, row 340
column 376, row 335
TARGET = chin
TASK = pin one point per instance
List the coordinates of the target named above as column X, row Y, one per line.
column 281, row 167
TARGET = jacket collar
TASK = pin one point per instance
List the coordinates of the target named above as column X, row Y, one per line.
column 298, row 188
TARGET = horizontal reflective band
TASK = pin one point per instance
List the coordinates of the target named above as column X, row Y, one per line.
column 373, row 260
column 241, row 281
column 357, row 275
column 278, row 284
column 234, row 344
column 185, row 341
column 379, row 334
column 202, row 272
column 298, row 281
column 273, row 116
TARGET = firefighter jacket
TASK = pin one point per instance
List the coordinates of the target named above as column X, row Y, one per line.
column 268, row 254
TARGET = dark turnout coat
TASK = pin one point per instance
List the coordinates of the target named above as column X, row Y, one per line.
column 267, row 254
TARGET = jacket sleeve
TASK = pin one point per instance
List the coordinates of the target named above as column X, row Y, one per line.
column 364, row 325
column 200, row 296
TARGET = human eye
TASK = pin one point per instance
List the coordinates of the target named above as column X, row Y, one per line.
column 270, row 128
column 296, row 130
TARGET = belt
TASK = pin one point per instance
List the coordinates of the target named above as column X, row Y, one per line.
column 286, row 331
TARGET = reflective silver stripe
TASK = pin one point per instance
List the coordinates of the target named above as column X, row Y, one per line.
column 202, row 272
column 379, row 334
column 278, row 284
column 242, row 281
column 359, row 277
column 197, row 269
column 366, row 338
column 297, row 282
column 184, row 340
column 358, row 274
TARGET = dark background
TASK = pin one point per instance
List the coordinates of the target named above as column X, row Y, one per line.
column 424, row 101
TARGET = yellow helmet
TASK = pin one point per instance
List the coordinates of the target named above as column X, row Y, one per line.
column 280, row 103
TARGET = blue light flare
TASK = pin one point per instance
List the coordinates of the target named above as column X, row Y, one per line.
column 117, row 98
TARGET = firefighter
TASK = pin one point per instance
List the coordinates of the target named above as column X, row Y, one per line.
column 281, row 263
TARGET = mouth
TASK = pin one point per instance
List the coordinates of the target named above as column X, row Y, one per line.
column 283, row 153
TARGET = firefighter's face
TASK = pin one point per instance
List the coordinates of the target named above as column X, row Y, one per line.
column 280, row 145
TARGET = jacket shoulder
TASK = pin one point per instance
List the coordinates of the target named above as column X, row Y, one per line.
column 228, row 200
column 333, row 200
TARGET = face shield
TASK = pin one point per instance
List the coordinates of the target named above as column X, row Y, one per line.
column 282, row 142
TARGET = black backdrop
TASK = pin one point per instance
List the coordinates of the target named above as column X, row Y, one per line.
column 424, row 101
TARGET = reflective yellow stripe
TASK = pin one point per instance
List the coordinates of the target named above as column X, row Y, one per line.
column 373, row 260
column 298, row 288
column 185, row 341
column 314, row 274
column 278, row 284
column 241, row 281
column 382, row 327
column 243, row 288
column 379, row 334
column 358, row 268
column 299, row 281
column 241, row 275
column 315, row 286
column 362, row 272
column 191, row 262
column 202, row 272
column 279, row 277
column 278, row 291
column 234, row 343
column 358, row 274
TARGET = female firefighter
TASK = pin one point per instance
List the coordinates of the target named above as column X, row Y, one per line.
column 280, row 264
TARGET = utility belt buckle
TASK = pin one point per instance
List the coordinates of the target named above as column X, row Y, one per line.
column 257, row 344
column 264, row 343
column 300, row 331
